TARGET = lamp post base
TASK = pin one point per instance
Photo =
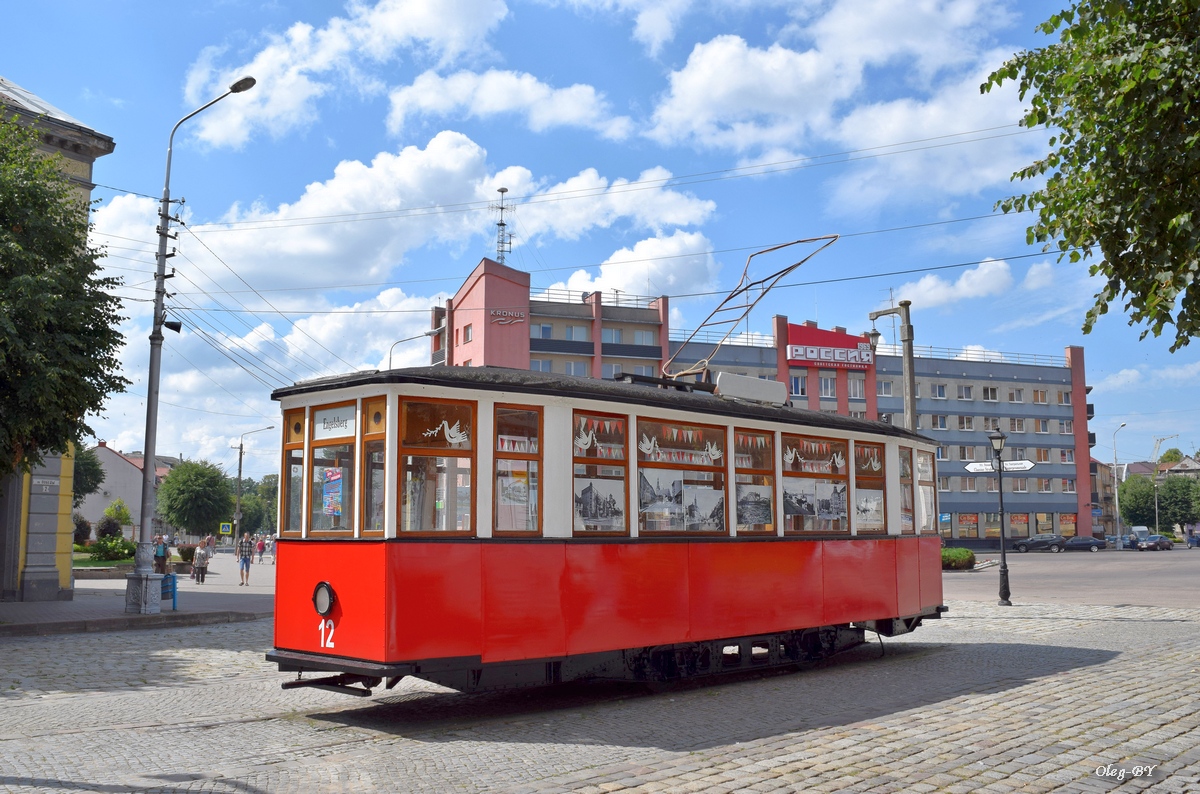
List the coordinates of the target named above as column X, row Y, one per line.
column 143, row 593
column 1004, row 591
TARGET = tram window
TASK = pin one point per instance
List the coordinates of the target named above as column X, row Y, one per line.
column 815, row 484
column 754, row 488
column 599, row 487
column 436, row 463
column 374, row 464
column 926, row 495
column 681, row 477
column 291, row 518
column 869, row 502
column 907, row 508
column 331, row 468
column 518, row 466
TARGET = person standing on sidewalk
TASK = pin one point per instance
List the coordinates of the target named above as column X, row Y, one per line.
column 245, row 554
column 260, row 547
column 161, row 551
column 200, row 563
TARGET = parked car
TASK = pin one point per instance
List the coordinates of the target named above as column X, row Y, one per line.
column 1054, row 543
column 1193, row 541
column 1085, row 543
column 1155, row 543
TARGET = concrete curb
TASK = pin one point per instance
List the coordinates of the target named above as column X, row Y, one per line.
column 129, row 623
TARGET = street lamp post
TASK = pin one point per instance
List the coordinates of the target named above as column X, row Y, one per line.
column 1117, row 489
column 142, row 590
column 237, row 510
column 907, row 368
column 430, row 332
column 997, row 438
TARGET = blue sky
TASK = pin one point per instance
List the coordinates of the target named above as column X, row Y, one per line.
column 649, row 145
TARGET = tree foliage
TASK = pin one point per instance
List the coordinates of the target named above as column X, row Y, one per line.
column 1172, row 455
column 58, row 317
column 253, row 513
column 268, row 492
column 1121, row 92
column 1178, row 502
column 1137, row 501
column 119, row 511
column 107, row 526
column 195, row 497
column 89, row 474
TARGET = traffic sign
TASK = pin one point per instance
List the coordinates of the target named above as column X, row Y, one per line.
column 1009, row 465
column 226, row 528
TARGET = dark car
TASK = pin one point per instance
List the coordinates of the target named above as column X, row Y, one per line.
column 1085, row 543
column 1194, row 541
column 1054, row 543
column 1155, row 543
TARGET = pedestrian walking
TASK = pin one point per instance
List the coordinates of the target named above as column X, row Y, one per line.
column 271, row 547
column 245, row 554
column 161, row 550
column 212, row 546
column 200, row 563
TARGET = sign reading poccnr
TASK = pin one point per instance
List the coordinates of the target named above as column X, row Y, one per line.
column 333, row 422
column 815, row 347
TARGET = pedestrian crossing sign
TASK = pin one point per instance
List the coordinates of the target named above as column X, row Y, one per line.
column 226, row 528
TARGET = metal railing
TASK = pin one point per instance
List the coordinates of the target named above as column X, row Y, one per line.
column 745, row 339
column 974, row 354
column 623, row 299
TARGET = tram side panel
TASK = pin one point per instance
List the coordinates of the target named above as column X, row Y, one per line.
column 435, row 600
column 626, row 595
column 739, row 589
column 908, row 576
column 931, row 571
column 859, row 580
column 357, row 572
column 523, row 590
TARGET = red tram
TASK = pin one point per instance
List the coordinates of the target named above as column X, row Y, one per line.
column 484, row 528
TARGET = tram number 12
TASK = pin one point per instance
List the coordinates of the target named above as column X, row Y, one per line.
column 325, row 627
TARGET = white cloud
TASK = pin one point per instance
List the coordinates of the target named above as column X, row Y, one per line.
column 979, row 353
column 498, row 92
column 1119, row 381
column 681, row 262
column 991, row 277
column 1184, row 373
column 304, row 63
column 734, row 96
column 655, row 21
column 1039, row 277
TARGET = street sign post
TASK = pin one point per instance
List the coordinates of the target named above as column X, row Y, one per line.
column 984, row 466
column 226, row 528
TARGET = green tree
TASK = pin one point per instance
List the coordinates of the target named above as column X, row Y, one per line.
column 58, row 317
column 1172, row 455
column 1137, row 501
column 195, row 497
column 268, row 492
column 1178, row 502
column 253, row 513
column 119, row 511
column 1121, row 92
column 89, row 474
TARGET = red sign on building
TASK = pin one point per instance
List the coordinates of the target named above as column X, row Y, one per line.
column 814, row 347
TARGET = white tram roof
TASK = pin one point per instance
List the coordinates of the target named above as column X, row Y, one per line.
column 683, row 396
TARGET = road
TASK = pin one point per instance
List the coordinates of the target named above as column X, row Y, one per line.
column 1034, row 697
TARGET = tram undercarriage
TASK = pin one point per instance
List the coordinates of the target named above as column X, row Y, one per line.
column 663, row 664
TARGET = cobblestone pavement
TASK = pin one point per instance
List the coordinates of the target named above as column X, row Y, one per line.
column 1029, row 698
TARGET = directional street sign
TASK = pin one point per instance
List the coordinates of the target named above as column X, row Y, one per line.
column 984, row 466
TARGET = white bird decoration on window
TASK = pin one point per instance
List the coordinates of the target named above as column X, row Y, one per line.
column 453, row 434
column 712, row 451
column 648, row 446
column 838, row 461
column 585, row 439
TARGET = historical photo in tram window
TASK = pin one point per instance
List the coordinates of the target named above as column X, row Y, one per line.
column 754, row 505
column 660, row 500
column 703, row 509
column 516, row 495
column 868, row 509
column 599, row 504
column 819, row 504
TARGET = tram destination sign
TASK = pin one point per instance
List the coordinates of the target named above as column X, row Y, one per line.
column 984, row 466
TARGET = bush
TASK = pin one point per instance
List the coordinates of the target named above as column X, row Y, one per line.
column 108, row 527
column 112, row 548
column 187, row 553
column 958, row 559
column 83, row 528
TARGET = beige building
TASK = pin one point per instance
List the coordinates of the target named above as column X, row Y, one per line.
column 35, row 509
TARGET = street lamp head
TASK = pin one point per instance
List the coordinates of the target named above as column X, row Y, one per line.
column 874, row 335
column 1122, row 425
column 245, row 84
column 997, row 439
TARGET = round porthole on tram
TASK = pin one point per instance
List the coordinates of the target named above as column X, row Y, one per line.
column 323, row 598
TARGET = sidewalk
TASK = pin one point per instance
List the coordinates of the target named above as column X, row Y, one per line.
column 99, row 604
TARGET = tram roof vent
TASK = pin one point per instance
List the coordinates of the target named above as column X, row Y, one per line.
column 754, row 390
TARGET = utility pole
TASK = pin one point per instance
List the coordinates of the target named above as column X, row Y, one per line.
column 907, row 363
column 237, row 510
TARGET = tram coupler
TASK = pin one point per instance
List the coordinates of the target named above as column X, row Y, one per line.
column 343, row 684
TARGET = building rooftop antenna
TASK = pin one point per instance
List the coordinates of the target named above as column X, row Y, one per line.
column 503, row 235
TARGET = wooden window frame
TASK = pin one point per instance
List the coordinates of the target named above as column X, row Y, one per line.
column 871, row 479
column 731, row 499
column 578, row 460
column 721, row 469
column 534, row 457
column 285, row 474
column 930, row 483
column 908, row 484
column 402, row 450
column 844, row 479
column 313, row 445
column 367, row 436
